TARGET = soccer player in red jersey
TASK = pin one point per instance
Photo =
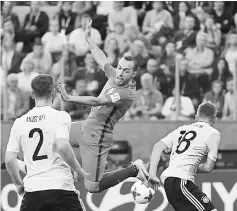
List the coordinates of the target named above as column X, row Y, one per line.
column 97, row 131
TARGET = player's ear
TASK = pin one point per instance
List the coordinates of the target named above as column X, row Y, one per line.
column 134, row 74
column 32, row 95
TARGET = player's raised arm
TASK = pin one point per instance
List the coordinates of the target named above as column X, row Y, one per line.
column 213, row 145
column 98, row 54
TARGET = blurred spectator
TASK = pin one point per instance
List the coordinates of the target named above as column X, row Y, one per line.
column 120, row 35
column 94, row 76
column 186, row 108
column 234, row 29
column 77, row 37
column 201, row 14
column 216, row 96
column 200, row 60
column 17, row 104
column 169, row 56
column 66, row 18
column 221, row 72
column 80, row 7
column 230, row 101
column 10, row 32
column 6, row 13
column 230, row 53
column 80, row 111
column 10, row 59
column 148, row 101
column 153, row 67
column 139, row 52
column 186, row 37
column 221, row 16
column 157, row 22
column 189, row 86
column 213, row 33
column 126, row 15
column 54, row 41
column 42, row 59
column 66, row 64
column 26, row 76
column 112, row 51
column 36, row 22
column 133, row 33
column 184, row 10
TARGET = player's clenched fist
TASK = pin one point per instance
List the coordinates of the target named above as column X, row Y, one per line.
column 88, row 29
column 80, row 174
column 65, row 96
column 20, row 189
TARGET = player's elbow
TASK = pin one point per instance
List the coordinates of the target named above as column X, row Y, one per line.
column 158, row 148
column 61, row 146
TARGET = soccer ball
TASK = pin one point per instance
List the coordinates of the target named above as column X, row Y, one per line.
column 142, row 194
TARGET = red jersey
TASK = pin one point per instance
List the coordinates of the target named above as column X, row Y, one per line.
column 106, row 116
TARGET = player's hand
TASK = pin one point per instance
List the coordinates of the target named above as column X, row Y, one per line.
column 65, row 96
column 154, row 182
column 80, row 174
column 20, row 189
column 88, row 29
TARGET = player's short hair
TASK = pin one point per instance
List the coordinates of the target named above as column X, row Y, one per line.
column 42, row 85
column 135, row 62
column 207, row 110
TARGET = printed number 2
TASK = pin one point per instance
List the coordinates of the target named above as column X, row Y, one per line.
column 183, row 139
column 35, row 155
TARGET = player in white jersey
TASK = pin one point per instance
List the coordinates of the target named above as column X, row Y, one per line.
column 193, row 148
column 43, row 136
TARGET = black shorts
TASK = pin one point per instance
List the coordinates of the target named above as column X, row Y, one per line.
column 184, row 195
column 52, row 200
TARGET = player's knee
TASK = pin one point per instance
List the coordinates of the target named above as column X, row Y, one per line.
column 92, row 187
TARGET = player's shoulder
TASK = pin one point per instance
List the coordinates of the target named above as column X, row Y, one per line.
column 63, row 116
column 211, row 130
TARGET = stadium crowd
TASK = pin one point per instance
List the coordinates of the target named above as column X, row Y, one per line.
column 203, row 33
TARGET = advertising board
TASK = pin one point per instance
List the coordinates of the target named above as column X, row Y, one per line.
column 220, row 187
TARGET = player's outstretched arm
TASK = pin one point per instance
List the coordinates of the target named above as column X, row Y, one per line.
column 86, row 100
column 98, row 54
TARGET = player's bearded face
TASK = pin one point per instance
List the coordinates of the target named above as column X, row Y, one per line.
column 124, row 72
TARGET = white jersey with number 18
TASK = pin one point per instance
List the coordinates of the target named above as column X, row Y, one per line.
column 189, row 146
column 35, row 133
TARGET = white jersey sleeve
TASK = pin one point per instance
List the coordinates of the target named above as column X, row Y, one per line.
column 64, row 126
column 168, row 140
column 14, row 141
column 213, row 145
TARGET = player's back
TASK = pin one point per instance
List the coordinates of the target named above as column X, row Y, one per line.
column 189, row 148
column 37, row 131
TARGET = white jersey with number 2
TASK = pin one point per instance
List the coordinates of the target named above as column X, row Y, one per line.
column 189, row 146
column 34, row 134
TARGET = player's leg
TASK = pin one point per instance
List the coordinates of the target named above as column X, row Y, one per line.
column 33, row 201
column 65, row 201
column 94, row 158
column 196, row 196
